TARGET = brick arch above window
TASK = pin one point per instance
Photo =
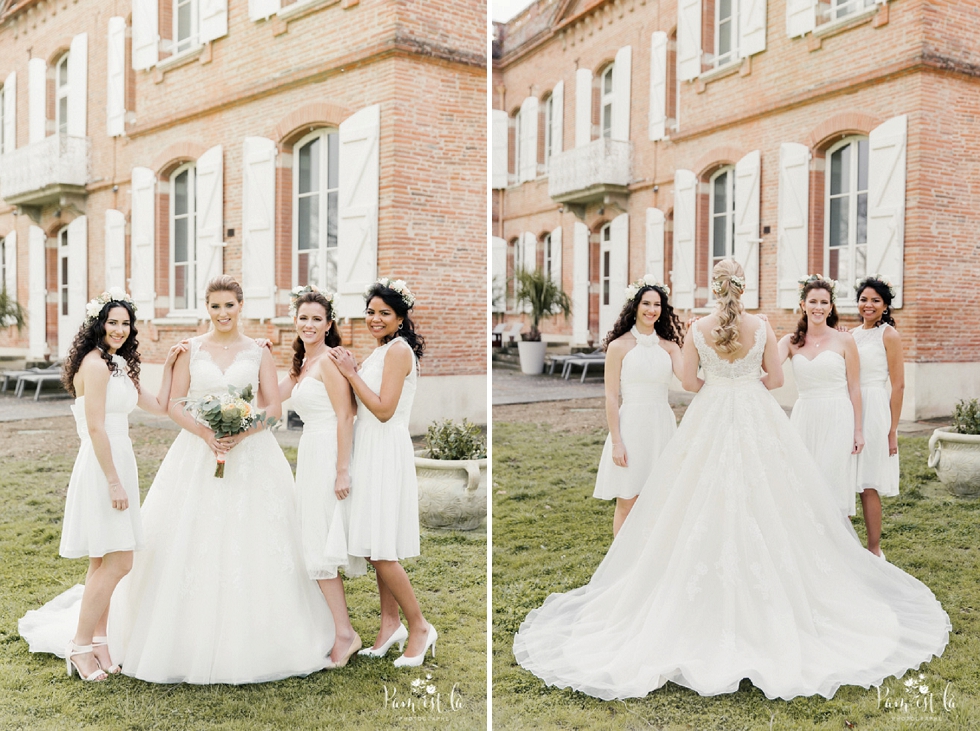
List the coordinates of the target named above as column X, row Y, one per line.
column 839, row 126
column 713, row 160
column 175, row 155
column 303, row 120
column 599, row 69
column 62, row 47
column 597, row 226
column 57, row 224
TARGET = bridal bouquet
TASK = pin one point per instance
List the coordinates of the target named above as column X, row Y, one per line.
column 228, row 414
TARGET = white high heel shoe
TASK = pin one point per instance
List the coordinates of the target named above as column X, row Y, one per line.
column 104, row 642
column 400, row 636
column 413, row 662
column 73, row 649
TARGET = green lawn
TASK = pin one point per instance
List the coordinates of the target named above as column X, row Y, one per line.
column 36, row 694
column 550, row 534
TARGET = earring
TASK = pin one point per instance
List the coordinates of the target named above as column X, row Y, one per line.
column 400, row 324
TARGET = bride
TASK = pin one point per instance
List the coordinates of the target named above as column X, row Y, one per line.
column 735, row 561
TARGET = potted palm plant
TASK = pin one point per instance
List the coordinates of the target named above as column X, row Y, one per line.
column 11, row 313
column 954, row 451
column 452, row 476
column 543, row 298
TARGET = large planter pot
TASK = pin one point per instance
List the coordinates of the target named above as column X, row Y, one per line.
column 452, row 493
column 532, row 356
column 956, row 459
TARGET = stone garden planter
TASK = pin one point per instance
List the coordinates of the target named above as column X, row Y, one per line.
column 452, row 493
column 532, row 356
column 956, row 459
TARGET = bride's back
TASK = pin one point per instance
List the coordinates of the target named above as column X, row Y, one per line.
column 747, row 327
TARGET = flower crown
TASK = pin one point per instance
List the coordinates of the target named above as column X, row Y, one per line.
column 736, row 280
column 831, row 284
column 648, row 280
column 115, row 294
column 298, row 292
column 398, row 285
column 861, row 283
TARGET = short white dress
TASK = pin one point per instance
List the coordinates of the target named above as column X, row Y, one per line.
column 324, row 520
column 384, row 490
column 824, row 418
column 646, row 422
column 92, row 527
column 876, row 470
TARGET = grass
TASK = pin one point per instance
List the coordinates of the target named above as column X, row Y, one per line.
column 550, row 535
column 36, row 694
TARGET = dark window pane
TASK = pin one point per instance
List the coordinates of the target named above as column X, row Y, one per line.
column 605, row 278
column 63, row 73
column 331, row 220
column 862, row 218
column 309, row 212
column 840, row 163
column 718, row 243
column 309, row 167
column 183, row 23
column 180, row 287
column 180, row 240
column 180, row 193
column 333, row 159
column 862, row 164
column 607, row 82
column 838, row 222
column 720, row 181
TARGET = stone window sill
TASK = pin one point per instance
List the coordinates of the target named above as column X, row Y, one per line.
column 845, row 24
column 201, row 53
column 280, row 23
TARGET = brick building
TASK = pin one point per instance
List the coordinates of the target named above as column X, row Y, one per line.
column 153, row 144
column 634, row 136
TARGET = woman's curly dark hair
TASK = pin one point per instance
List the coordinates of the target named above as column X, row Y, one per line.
column 799, row 337
column 332, row 337
column 91, row 336
column 407, row 329
column 886, row 296
column 667, row 326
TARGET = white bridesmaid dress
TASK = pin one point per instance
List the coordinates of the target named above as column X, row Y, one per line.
column 875, row 468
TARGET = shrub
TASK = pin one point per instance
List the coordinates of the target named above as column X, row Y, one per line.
column 966, row 417
column 450, row 440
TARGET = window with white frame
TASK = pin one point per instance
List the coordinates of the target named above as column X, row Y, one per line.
column 721, row 231
column 839, row 9
column 315, row 176
column 726, row 32
column 183, row 238
column 549, row 142
column 3, row 255
column 185, row 25
column 846, row 229
column 548, row 256
column 517, row 146
column 607, row 94
column 605, row 236
column 61, row 95
column 63, row 273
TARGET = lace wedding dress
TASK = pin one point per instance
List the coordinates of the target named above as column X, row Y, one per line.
column 739, row 565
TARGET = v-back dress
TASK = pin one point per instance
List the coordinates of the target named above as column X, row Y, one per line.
column 876, row 469
column 738, row 565
column 646, row 422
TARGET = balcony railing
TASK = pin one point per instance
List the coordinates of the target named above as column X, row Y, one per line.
column 588, row 172
column 42, row 170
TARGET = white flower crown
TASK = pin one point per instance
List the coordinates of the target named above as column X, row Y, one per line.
column 115, row 294
column 398, row 285
column 736, row 280
column 298, row 292
column 648, row 280
column 831, row 284
column 877, row 277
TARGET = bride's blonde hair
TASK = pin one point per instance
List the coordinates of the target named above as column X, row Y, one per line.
column 727, row 284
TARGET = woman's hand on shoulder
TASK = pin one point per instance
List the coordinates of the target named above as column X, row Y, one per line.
column 344, row 360
column 175, row 350
column 264, row 343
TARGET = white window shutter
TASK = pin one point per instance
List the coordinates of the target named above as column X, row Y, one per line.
column 209, row 193
column 801, row 17
column 751, row 27
column 558, row 118
column 37, row 294
column 583, row 107
column 115, row 249
column 747, row 239
column 357, row 232
column 213, row 19
column 498, row 269
column 77, row 273
column 655, row 244
column 115, row 112
column 142, row 283
column 886, row 201
column 146, row 34
column 580, row 287
column 262, row 9
column 688, row 39
column 622, row 73
column 658, row 86
column 619, row 261
column 259, row 227
column 36, row 96
column 78, row 85
column 10, row 259
column 499, row 161
column 529, row 253
column 529, row 139
column 682, row 267
column 794, row 212
column 556, row 257
column 9, row 113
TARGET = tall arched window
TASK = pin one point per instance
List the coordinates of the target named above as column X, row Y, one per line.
column 722, row 207
column 183, row 237
column 315, row 182
column 606, row 91
column 61, row 95
column 846, row 212
column 548, row 260
column 549, row 142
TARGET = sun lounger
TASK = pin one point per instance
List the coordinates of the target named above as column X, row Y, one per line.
column 585, row 360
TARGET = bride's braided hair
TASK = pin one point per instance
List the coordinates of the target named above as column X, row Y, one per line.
column 331, row 339
column 667, row 326
column 728, row 283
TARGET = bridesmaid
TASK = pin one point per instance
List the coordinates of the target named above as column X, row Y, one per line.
column 827, row 413
column 882, row 364
column 384, row 525
column 322, row 398
column 102, row 516
column 642, row 353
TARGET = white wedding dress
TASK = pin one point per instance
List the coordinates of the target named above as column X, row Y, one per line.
column 738, row 565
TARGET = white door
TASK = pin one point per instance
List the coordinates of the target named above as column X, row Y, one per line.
column 613, row 271
column 65, row 335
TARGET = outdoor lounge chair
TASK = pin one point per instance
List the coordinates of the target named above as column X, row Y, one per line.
column 38, row 377
column 514, row 334
column 597, row 357
column 13, row 377
column 497, row 336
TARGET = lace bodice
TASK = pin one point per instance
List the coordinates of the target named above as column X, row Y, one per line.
column 208, row 378
column 312, row 402
column 371, row 371
column 874, row 359
column 120, row 398
column 822, row 377
column 717, row 369
column 646, row 371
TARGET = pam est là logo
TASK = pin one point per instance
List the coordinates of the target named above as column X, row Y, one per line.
column 423, row 696
column 918, row 695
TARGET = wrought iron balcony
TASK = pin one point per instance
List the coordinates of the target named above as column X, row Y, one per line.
column 591, row 172
column 46, row 171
